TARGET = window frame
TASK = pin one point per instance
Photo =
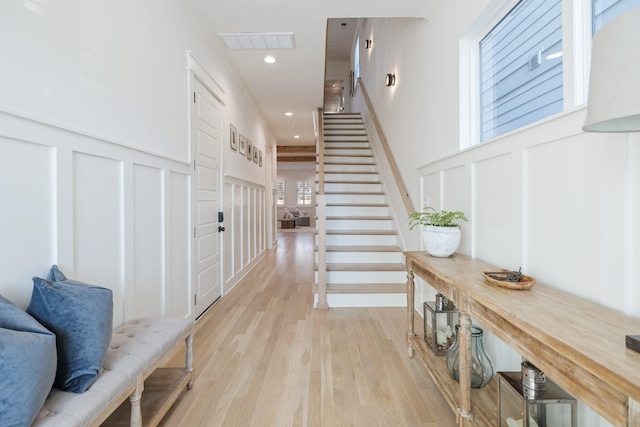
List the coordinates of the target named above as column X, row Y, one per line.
column 576, row 38
column 305, row 185
column 284, row 193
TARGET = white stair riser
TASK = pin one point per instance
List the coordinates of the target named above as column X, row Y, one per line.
column 341, row 138
column 352, row 188
column 365, row 276
column 333, row 132
column 355, row 198
column 358, row 224
column 346, row 152
column 350, row 126
column 359, row 210
column 364, row 300
column 348, row 159
column 358, row 240
column 329, row 176
column 350, row 168
column 363, row 257
column 353, row 144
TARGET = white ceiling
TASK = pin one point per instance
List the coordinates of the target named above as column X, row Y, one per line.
column 295, row 83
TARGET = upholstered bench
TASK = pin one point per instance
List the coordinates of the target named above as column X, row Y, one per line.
column 132, row 369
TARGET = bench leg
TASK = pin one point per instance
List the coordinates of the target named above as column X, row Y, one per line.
column 189, row 361
column 136, row 410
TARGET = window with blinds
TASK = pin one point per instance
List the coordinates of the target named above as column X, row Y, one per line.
column 280, row 193
column 521, row 68
column 604, row 11
column 303, row 193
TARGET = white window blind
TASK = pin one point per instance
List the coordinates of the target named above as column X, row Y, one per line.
column 280, row 193
column 521, row 68
column 303, row 193
column 604, row 11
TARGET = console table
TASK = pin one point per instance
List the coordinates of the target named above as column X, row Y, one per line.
column 577, row 343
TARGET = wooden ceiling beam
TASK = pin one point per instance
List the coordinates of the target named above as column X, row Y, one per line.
column 296, row 159
column 284, row 149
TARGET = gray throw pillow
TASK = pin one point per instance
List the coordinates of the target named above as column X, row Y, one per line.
column 81, row 316
column 27, row 365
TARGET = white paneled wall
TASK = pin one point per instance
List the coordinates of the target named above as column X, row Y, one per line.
column 245, row 222
column 106, row 214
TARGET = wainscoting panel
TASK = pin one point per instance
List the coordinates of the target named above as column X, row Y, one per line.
column 495, row 209
column 179, row 239
column 98, row 218
column 245, row 224
column 27, row 205
column 148, row 242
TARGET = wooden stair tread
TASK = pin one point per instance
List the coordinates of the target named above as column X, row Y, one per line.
column 362, row 249
column 358, row 205
column 354, row 193
column 360, row 218
column 350, row 182
column 349, row 163
column 359, row 156
column 364, row 266
column 362, row 232
column 349, row 172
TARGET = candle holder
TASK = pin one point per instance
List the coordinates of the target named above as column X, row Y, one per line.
column 440, row 318
column 526, row 404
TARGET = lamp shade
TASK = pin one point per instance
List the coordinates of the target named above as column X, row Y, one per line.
column 614, row 84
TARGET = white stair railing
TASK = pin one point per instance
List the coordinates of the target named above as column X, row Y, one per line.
column 321, row 222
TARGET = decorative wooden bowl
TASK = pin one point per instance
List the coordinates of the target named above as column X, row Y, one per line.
column 498, row 277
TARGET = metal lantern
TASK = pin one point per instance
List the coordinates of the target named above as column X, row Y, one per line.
column 440, row 318
column 524, row 401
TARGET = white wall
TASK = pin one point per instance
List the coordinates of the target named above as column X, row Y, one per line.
column 561, row 203
column 95, row 162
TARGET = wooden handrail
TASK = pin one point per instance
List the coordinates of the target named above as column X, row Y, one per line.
column 387, row 151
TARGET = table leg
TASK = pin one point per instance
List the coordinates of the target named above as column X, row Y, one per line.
column 464, row 376
column 411, row 287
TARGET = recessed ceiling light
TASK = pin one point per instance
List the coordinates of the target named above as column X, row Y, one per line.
column 288, row 113
column 269, row 59
column 296, row 136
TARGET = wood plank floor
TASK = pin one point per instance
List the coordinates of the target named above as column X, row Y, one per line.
column 265, row 357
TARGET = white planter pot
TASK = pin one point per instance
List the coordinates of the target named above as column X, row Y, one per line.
column 441, row 241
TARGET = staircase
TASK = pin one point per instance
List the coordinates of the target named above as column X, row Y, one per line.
column 365, row 265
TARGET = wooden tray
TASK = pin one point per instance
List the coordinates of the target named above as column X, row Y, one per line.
column 525, row 282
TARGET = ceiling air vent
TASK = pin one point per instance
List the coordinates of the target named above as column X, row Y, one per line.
column 236, row 41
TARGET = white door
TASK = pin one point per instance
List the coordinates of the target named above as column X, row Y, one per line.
column 206, row 112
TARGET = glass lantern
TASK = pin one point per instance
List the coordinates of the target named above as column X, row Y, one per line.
column 551, row 407
column 440, row 332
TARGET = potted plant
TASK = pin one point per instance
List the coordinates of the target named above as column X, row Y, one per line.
column 441, row 232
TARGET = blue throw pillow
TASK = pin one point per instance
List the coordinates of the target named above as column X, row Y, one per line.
column 81, row 316
column 27, row 365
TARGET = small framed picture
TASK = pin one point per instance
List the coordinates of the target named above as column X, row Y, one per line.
column 260, row 158
column 255, row 155
column 243, row 145
column 249, row 150
column 233, row 138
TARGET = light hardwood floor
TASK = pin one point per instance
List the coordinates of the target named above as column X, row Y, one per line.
column 265, row 357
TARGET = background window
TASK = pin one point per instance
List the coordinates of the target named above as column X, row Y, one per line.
column 605, row 10
column 303, row 193
column 521, row 68
column 280, row 193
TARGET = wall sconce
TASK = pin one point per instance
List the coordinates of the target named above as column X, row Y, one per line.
column 614, row 87
column 368, row 44
column 390, row 80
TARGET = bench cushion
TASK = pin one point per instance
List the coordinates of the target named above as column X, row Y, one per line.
column 81, row 316
column 135, row 346
column 27, row 365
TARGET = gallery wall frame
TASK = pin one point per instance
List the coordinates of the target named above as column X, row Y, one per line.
column 243, row 145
